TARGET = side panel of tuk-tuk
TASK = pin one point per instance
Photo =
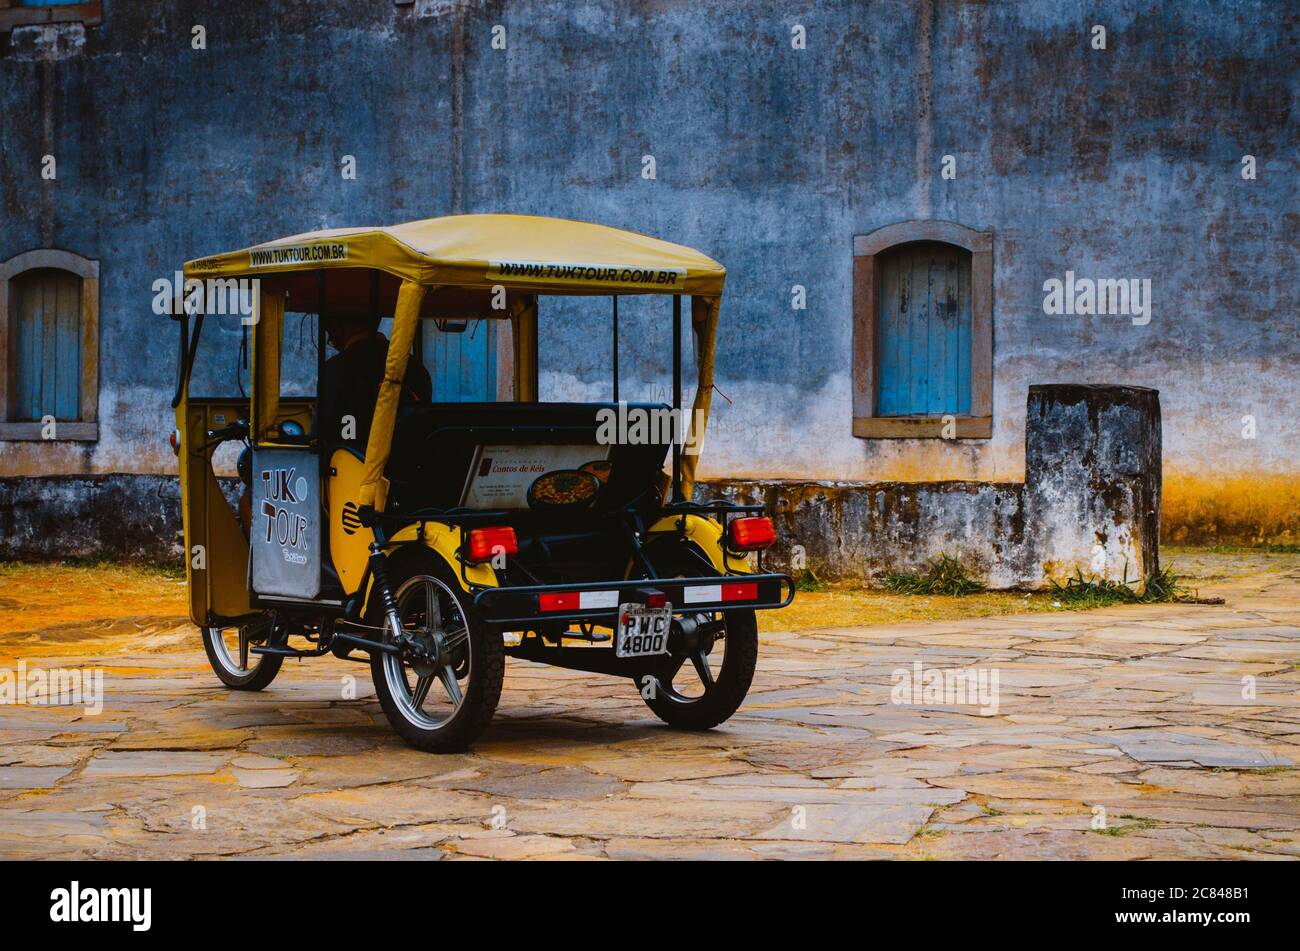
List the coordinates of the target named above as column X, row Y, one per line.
column 216, row 547
column 216, row 551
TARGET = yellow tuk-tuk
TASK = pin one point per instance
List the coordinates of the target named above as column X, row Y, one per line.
column 456, row 534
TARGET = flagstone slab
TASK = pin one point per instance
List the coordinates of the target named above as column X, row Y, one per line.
column 564, row 782
column 714, row 792
column 865, row 823
column 113, row 765
column 31, row 777
column 43, row 755
column 49, row 826
column 645, row 818
column 690, row 850
column 511, row 847
column 1221, row 818
column 238, row 826
column 265, row 778
column 1065, row 784
column 391, row 805
column 302, row 738
column 1231, row 784
column 181, row 739
column 1166, row 746
column 416, row 841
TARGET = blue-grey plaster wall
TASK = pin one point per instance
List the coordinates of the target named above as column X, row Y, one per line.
column 1116, row 163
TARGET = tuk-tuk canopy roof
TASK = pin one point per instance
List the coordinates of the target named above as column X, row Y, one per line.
column 519, row 252
column 449, row 267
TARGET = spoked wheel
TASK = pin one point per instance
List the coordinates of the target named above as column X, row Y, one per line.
column 440, row 691
column 703, row 679
column 229, row 652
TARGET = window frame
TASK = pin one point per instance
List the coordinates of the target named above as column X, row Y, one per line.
column 13, row 14
column 86, row 427
column 867, row 248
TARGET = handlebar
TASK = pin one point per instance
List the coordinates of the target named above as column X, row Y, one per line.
column 236, row 430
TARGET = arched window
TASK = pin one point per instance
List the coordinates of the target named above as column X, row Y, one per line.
column 49, row 346
column 923, row 332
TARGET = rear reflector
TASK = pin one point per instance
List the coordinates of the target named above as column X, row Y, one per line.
column 577, row 600
column 744, row 591
column 702, row 594
column 486, row 543
column 751, row 534
column 717, row 593
column 560, row 601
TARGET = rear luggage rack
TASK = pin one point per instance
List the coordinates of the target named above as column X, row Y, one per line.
column 599, row 601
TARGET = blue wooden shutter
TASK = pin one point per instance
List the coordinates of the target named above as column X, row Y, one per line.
column 924, row 333
column 47, row 356
column 463, row 365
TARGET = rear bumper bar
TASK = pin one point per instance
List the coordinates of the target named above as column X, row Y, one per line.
column 522, row 605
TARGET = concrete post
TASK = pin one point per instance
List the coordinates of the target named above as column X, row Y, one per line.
column 1092, row 482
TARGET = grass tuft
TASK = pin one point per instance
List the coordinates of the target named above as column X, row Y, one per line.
column 1137, row 824
column 941, row 575
column 1162, row 587
column 808, row 581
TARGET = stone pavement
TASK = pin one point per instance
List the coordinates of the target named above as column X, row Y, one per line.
column 1167, row 731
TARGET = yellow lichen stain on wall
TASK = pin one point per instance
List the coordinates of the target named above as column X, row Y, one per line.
column 1235, row 508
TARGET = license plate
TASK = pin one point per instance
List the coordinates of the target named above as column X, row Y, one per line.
column 642, row 631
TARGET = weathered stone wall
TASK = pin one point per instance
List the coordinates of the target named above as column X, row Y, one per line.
column 120, row 517
column 1123, row 162
column 1089, row 505
column 859, row 531
column 133, row 518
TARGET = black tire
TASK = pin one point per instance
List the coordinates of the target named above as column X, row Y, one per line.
column 723, row 698
column 478, row 659
column 261, row 668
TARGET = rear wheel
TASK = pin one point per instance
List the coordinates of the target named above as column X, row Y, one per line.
column 440, row 692
column 705, row 676
column 229, row 651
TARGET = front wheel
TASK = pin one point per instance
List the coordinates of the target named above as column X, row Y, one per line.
column 703, row 679
column 440, row 692
column 229, row 653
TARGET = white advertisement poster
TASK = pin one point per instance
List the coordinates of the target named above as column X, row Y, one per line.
column 502, row 475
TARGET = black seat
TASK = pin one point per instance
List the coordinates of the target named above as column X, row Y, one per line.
column 434, row 446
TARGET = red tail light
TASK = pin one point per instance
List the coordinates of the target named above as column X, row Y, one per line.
column 751, row 534
column 486, row 543
column 174, row 440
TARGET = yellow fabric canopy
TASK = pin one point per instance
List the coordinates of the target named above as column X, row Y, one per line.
column 521, row 252
column 430, row 261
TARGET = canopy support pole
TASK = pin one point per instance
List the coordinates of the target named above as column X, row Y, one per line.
column 615, row 348
column 189, row 348
column 321, row 342
column 374, row 487
column 264, row 396
column 677, row 397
